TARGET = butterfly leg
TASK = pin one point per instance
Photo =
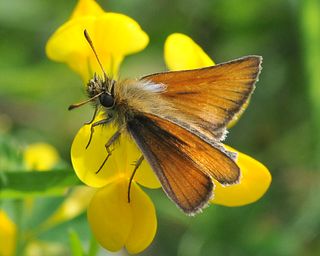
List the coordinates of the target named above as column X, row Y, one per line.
column 93, row 117
column 101, row 122
column 137, row 164
column 107, row 146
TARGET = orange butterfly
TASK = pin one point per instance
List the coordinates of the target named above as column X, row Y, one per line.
column 178, row 120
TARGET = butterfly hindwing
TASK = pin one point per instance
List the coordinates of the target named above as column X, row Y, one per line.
column 184, row 163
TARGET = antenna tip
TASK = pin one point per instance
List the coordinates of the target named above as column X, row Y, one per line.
column 86, row 35
column 71, row 107
column 85, row 32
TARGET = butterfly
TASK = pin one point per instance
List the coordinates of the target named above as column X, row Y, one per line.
column 178, row 120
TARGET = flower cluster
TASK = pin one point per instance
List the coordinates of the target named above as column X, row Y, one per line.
column 115, row 222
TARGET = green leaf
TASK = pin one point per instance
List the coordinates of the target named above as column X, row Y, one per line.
column 22, row 184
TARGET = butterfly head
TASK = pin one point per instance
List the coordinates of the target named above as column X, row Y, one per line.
column 103, row 90
column 99, row 90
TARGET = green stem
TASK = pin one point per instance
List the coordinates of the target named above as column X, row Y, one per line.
column 310, row 29
column 94, row 247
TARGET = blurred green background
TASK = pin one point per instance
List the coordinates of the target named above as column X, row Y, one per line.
column 281, row 127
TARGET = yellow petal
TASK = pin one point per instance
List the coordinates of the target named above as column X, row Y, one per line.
column 40, row 157
column 68, row 45
column 120, row 164
column 145, row 176
column 235, row 119
column 117, row 223
column 117, row 35
column 110, row 217
column 144, row 221
column 86, row 8
column 254, row 182
column 114, row 36
column 86, row 162
column 8, row 235
column 181, row 52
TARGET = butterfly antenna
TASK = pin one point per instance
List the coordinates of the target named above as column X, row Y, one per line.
column 76, row 105
column 95, row 53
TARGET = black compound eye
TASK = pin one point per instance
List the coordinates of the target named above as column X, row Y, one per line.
column 106, row 100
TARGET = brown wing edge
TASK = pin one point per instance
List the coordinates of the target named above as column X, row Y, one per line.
column 136, row 133
column 257, row 57
column 255, row 76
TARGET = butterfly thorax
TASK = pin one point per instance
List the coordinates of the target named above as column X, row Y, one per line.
column 134, row 97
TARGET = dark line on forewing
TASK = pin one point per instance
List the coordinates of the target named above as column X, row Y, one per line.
column 186, row 93
column 224, row 98
column 242, row 92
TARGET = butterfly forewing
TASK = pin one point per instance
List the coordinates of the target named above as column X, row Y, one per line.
column 210, row 97
column 183, row 162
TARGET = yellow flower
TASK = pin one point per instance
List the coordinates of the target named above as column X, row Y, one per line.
column 8, row 234
column 114, row 34
column 115, row 222
column 40, row 157
column 181, row 52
